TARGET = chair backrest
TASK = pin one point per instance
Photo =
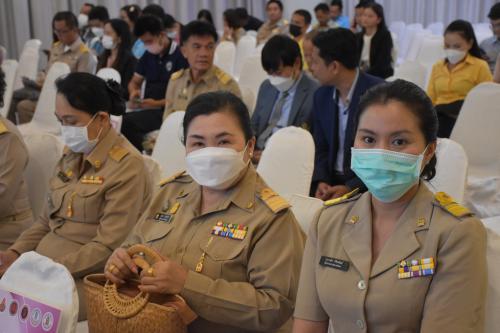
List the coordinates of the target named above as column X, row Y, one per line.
column 43, row 280
column 44, row 118
column 169, row 150
column 451, row 169
column 416, row 44
column 407, row 39
column 244, row 49
column 252, row 33
column 225, row 54
column 411, row 71
column 431, row 50
column 398, row 28
column 252, row 74
column 9, row 67
column 437, row 28
column 492, row 319
column 248, row 98
column 28, row 66
column 285, row 168
column 33, row 44
column 109, row 73
column 44, row 152
column 154, row 170
column 304, row 208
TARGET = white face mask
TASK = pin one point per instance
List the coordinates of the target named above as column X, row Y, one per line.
column 83, row 20
column 281, row 83
column 107, row 42
column 214, row 167
column 454, row 56
column 77, row 138
column 98, row 32
column 172, row 34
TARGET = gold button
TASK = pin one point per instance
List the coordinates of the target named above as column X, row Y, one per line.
column 421, row 222
column 250, row 205
column 97, row 164
column 354, row 219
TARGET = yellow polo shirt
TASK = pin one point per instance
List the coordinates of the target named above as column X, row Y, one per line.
column 447, row 86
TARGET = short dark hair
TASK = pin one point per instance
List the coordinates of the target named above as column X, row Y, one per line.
column 305, row 14
column 218, row 101
column 364, row 3
column 323, row 7
column 68, row 17
column 148, row 23
column 99, row 13
column 198, row 28
column 242, row 13
column 465, row 29
column 91, row 94
column 232, row 18
column 417, row 101
column 206, row 15
column 168, row 21
column 337, row 3
column 280, row 50
column 154, row 9
column 277, row 2
column 338, row 44
column 133, row 12
column 494, row 13
column 3, row 86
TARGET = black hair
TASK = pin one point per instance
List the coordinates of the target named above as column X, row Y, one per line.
column 3, row 86
column 417, row 101
column 154, row 9
column 133, row 12
column 198, row 28
column 148, row 23
column 494, row 13
column 99, row 13
column 277, row 2
column 87, row 4
column 280, row 50
column 305, row 14
column 464, row 29
column 232, row 18
column 68, row 17
column 205, row 15
column 242, row 13
column 338, row 44
column 218, row 101
column 121, row 28
column 379, row 11
column 168, row 21
column 322, row 7
column 363, row 3
column 91, row 94
column 337, row 3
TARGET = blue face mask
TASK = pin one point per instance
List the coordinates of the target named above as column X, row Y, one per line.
column 388, row 175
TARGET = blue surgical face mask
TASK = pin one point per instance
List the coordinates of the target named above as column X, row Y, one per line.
column 388, row 175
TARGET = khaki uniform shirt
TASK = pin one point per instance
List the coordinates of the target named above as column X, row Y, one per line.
column 268, row 30
column 15, row 209
column 77, row 56
column 181, row 90
column 338, row 280
column 246, row 283
column 92, row 206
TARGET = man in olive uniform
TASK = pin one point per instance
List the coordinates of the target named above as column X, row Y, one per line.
column 275, row 23
column 198, row 46
column 69, row 49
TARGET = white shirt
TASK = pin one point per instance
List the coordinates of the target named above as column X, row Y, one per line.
column 365, row 53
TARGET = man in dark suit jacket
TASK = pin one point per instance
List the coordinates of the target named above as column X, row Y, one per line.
column 335, row 108
column 286, row 98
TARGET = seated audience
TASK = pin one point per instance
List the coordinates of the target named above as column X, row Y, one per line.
column 322, row 13
column 491, row 46
column 97, row 17
column 452, row 78
column 68, row 49
column 249, row 275
column 83, row 16
column 249, row 22
column 233, row 28
column 117, row 43
column 275, row 23
column 161, row 60
column 357, row 22
column 173, row 28
column 15, row 209
column 286, row 98
column 130, row 14
column 299, row 25
column 397, row 258
column 335, row 108
column 138, row 48
column 90, row 209
column 198, row 46
column 307, row 48
column 375, row 42
column 205, row 15
column 336, row 7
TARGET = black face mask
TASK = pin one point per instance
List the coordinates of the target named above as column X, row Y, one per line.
column 295, row 30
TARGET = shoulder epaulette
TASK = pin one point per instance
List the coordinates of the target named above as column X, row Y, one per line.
column 172, row 178
column 57, row 43
column 177, row 75
column 222, row 76
column 3, row 128
column 345, row 198
column 272, row 200
column 118, row 153
column 451, row 206
column 84, row 48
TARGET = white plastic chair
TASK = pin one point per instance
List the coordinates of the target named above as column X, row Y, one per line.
column 417, row 44
column 411, row 71
column 398, row 28
column 169, row 151
column 33, row 44
column 28, row 66
column 252, row 74
column 305, row 208
column 109, row 73
column 154, row 170
column 251, row 33
column 225, row 54
column 3, row 53
column 406, row 39
column 437, row 28
column 44, row 119
column 451, row 169
column 244, row 49
column 248, row 98
column 431, row 50
column 44, row 152
column 9, row 67
column 285, row 168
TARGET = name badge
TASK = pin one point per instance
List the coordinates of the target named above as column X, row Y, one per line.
column 160, row 217
column 334, row 263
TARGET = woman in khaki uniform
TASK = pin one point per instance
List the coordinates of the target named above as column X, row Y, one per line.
column 232, row 246
column 99, row 187
column 15, row 209
column 397, row 258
